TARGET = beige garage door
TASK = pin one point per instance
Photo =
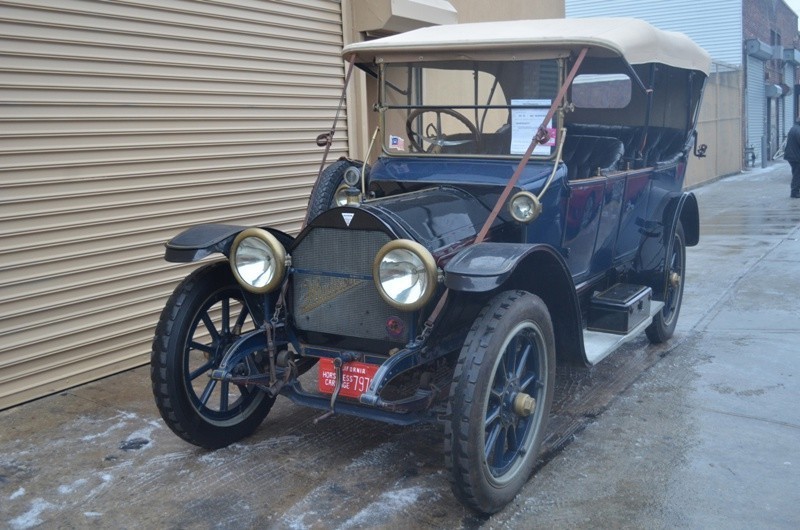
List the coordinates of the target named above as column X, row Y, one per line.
column 124, row 122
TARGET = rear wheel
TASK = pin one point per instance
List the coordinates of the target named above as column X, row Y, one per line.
column 664, row 322
column 500, row 401
column 201, row 320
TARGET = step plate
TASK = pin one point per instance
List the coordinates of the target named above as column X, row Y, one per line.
column 599, row 345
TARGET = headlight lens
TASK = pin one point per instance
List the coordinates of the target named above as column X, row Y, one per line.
column 405, row 274
column 352, row 176
column 524, row 207
column 258, row 260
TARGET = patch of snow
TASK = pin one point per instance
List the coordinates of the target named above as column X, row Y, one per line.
column 146, row 433
column 210, row 458
column 31, row 518
column 69, row 488
column 268, row 443
column 19, row 493
column 104, row 434
column 297, row 524
column 122, row 418
column 302, row 508
column 386, row 506
column 106, row 478
column 375, row 457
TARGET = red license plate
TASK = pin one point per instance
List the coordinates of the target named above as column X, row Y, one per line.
column 356, row 377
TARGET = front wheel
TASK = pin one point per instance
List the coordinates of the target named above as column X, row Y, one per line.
column 500, row 401
column 202, row 318
column 664, row 322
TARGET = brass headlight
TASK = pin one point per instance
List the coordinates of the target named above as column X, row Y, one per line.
column 258, row 260
column 405, row 274
column 340, row 197
column 524, row 207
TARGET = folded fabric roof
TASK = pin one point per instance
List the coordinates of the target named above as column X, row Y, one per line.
column 635, row 40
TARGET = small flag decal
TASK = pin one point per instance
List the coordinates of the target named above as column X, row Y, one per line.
column 347, row 216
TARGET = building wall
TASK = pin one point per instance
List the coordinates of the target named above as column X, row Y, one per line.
column 124, row 123
column 774, row 23
column 719, row 126
column 716, row 25
column 472, row 11
column 763, row 17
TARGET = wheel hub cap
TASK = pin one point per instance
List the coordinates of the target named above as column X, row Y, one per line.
column 524, row 404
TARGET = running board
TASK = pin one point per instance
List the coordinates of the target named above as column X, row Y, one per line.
column 599, row 345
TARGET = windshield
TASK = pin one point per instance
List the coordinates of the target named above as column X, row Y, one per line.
column 467, row 107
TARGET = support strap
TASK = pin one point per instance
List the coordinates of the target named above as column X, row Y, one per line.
column 326, row 139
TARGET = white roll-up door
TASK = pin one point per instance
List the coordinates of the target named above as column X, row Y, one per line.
column 124, row 122
column 756, row 105
column 788, row 100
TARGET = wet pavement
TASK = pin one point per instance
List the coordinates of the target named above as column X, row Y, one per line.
column 703, row 432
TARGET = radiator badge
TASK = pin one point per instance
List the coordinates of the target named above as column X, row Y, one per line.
column 317, row 291
column 347, row 216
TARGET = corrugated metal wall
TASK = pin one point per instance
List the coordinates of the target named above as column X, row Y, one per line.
column 788, row 100
column 756, row 105
column 122, row 123
column 716, row 25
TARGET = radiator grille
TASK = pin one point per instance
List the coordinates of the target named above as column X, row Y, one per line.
column 332, row 287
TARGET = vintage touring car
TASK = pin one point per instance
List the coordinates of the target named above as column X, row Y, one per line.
column 526, row 210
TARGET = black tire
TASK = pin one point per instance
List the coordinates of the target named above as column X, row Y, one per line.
column 664, row 322
column 323, row 196
column 490, row 448
column 202, row 318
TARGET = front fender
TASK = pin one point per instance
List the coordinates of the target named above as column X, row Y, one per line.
column 197, row 242
column 538, row 269
column 485, row 266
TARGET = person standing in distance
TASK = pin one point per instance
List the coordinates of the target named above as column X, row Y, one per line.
column 792, row 155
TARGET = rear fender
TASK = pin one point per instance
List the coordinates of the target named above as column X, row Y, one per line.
column 198, row 242
column 538, row 269
column 689, row 215
column 681, row 208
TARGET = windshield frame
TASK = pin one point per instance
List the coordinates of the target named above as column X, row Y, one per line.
column 384, row 85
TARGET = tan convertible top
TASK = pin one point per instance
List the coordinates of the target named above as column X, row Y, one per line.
column 635, row 40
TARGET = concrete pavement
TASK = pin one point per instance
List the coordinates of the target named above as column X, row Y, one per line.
column 705, row 435
column 709, row 437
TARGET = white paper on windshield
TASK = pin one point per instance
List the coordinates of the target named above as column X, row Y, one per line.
column 525, row 123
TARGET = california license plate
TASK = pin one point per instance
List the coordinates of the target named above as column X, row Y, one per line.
column 356, row 377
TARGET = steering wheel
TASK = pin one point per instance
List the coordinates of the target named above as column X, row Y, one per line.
column 434, row 134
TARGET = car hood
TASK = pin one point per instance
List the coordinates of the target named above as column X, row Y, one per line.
column 439, row 217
